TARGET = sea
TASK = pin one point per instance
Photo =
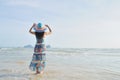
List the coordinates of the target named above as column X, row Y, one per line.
column 62, row 64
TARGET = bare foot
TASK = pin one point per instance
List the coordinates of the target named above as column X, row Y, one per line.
column 37, row 72
column 41, row 72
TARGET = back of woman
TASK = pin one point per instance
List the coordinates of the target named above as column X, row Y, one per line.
column 40, row 45
column 39, row 56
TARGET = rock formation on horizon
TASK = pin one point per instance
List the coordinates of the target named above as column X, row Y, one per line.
column 28, row 46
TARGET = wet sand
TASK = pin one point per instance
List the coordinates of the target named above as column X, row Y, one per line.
column 55, row 72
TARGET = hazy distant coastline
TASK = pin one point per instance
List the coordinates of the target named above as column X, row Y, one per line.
column 30, row 46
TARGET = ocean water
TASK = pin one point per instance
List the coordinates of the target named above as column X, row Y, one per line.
column 62, row 64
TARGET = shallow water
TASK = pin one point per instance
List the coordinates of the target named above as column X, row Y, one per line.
column 62, row 64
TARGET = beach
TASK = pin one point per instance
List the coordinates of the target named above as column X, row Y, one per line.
column 61, row 64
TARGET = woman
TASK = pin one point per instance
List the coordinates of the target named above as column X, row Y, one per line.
column 38, row 60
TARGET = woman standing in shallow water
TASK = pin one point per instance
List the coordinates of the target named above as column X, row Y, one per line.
column 39, row 57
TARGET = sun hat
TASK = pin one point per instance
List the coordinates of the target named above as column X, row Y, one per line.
column 38, row 28
column 39, row 25
column 44, row 30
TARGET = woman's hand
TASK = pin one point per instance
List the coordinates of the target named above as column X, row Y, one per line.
column 31, row 29
column 33, row 25
column 50, row 31
column 46, row 25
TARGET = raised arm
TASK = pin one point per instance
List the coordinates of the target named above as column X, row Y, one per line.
column 50, row 31
column 31, row 29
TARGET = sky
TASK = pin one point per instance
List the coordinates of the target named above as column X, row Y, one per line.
column 75, row 23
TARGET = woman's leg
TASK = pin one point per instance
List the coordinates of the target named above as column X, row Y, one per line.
column 37, row 66
column 43, row 66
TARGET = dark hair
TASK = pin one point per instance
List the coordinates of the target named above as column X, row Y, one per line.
column 39, row 35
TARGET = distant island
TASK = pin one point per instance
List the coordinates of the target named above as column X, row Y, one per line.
column 30, row 46
column 48, row 46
